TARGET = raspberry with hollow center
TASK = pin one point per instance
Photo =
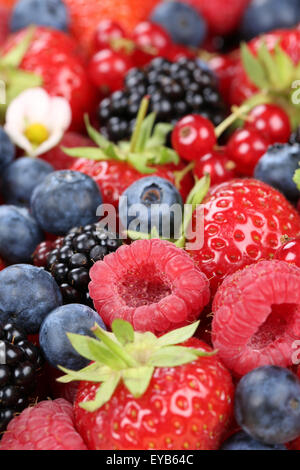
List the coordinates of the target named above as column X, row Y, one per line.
column 257, row 316
column 150, row 283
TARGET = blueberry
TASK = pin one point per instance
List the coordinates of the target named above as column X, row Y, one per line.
column 19, row 234
column 147, row 204
column 72, row 318
column 52, row 13
column 21, row 177
column 277, row 167
column 267, row 404
column 7, row 150
column 27, row 295
column 242, row 441
column 262, row 16
column 65, row 199
column 184, row 24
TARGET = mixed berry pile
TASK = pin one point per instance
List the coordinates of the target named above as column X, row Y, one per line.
column 149, row 225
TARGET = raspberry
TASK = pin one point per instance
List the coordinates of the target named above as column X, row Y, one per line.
column 47, row 426
column 150, row 283
column 257, row 316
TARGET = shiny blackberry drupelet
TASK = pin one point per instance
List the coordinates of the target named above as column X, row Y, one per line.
column 175, row 89
column 20, row 366
column 70, row 264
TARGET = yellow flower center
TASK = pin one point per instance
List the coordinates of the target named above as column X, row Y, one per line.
column 36, row 134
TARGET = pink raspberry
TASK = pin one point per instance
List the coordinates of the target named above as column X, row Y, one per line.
column 47, row 426
column 150, row 283
column 257, row 316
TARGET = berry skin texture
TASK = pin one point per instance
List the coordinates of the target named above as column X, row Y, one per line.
column 271, row 121
column 277, row 168
column 52, row 13
column 107, row 70
column 244, row 221
column 217, row 165
column 151, row 283
column 267, row 405
column 150, row 37
column 257, row 316
column 49, row 425
column 193, row 136
column 7, row 150
column 57, row 349
column 19, row 179
column 182, row 22
column 107, row 31
column 289, row 252
column 186, row 407
column 27, row 295
column 19, row 234
column 242, row 441
column 41, row 252
column 245, row 147
column 65, row 199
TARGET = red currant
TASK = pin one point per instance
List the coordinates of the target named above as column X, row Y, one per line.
column 107, row 31
column 289, row 252
column 245, row 148
column 271, row 121
column 151, row 38
column 225, row 67
column 193, row 136
column 217, row 165
column 177, row 52
column 107, row 69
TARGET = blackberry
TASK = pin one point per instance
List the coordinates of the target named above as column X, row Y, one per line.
column 70, row 263
column 39, row 257
column 20, row 364
column 176, row 89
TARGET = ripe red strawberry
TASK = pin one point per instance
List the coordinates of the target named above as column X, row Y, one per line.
column 219, row 19
column 86, row 15
column 49, row 425
column 257, row 316
column 58, row 158
column 53, row 56
column 244, row 221
column 151, row 283
column 173, row 393
column 114, row 177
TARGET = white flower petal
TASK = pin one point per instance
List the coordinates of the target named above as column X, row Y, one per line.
column 38, row 105
column 60, row 114
column 53, row 140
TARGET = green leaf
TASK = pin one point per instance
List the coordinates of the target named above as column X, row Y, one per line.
column 296, row 178
column 90, row 153
column 14, row 57
column 178, row 336
column 172, row 356
column 160, row 134
column 98, row 138
column 138, row 235
column 269, row 64
column 123, row 331
column 137, row 380
column 18, row 81
column 145, row 132
column 138, row 162
column 285, row 67
column 199, row 191
column 92, row 373
column 254, row 69
column 103, row 394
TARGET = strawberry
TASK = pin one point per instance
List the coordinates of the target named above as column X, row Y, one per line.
column 244, row 221
column 4, row 23
column 52, row 59
column 86, row 15
column 154, row 395
column 219, row 19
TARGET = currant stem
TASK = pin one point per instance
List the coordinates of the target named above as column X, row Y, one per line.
column 139, row 121
column 237, row 113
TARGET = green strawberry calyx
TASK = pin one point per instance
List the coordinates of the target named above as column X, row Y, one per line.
column 145, row 149
column 15, row 79
column 129, row 357
column 274, row 74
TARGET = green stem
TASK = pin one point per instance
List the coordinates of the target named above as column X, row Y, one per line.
column 236, row 114
column 139, row 121
column 179, row 175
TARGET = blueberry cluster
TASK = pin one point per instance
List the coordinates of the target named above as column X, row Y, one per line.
column 70, row 264
column 176, row 89
column 20, row 362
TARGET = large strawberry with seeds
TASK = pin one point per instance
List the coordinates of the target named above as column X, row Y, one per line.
column 244, row 221
column 165, row 396
column 53, row 57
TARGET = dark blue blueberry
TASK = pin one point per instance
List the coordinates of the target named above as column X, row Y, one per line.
column 277, row 167
column 64, row 200
column 52, row 13
column 21, row 177
column 19, row 234
column 184, row 24
column 7, row 150
column 262, row 16
column 267, row 404
column 27, row 295
column 72, row 318
column 242, row 441
column 147, row 204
